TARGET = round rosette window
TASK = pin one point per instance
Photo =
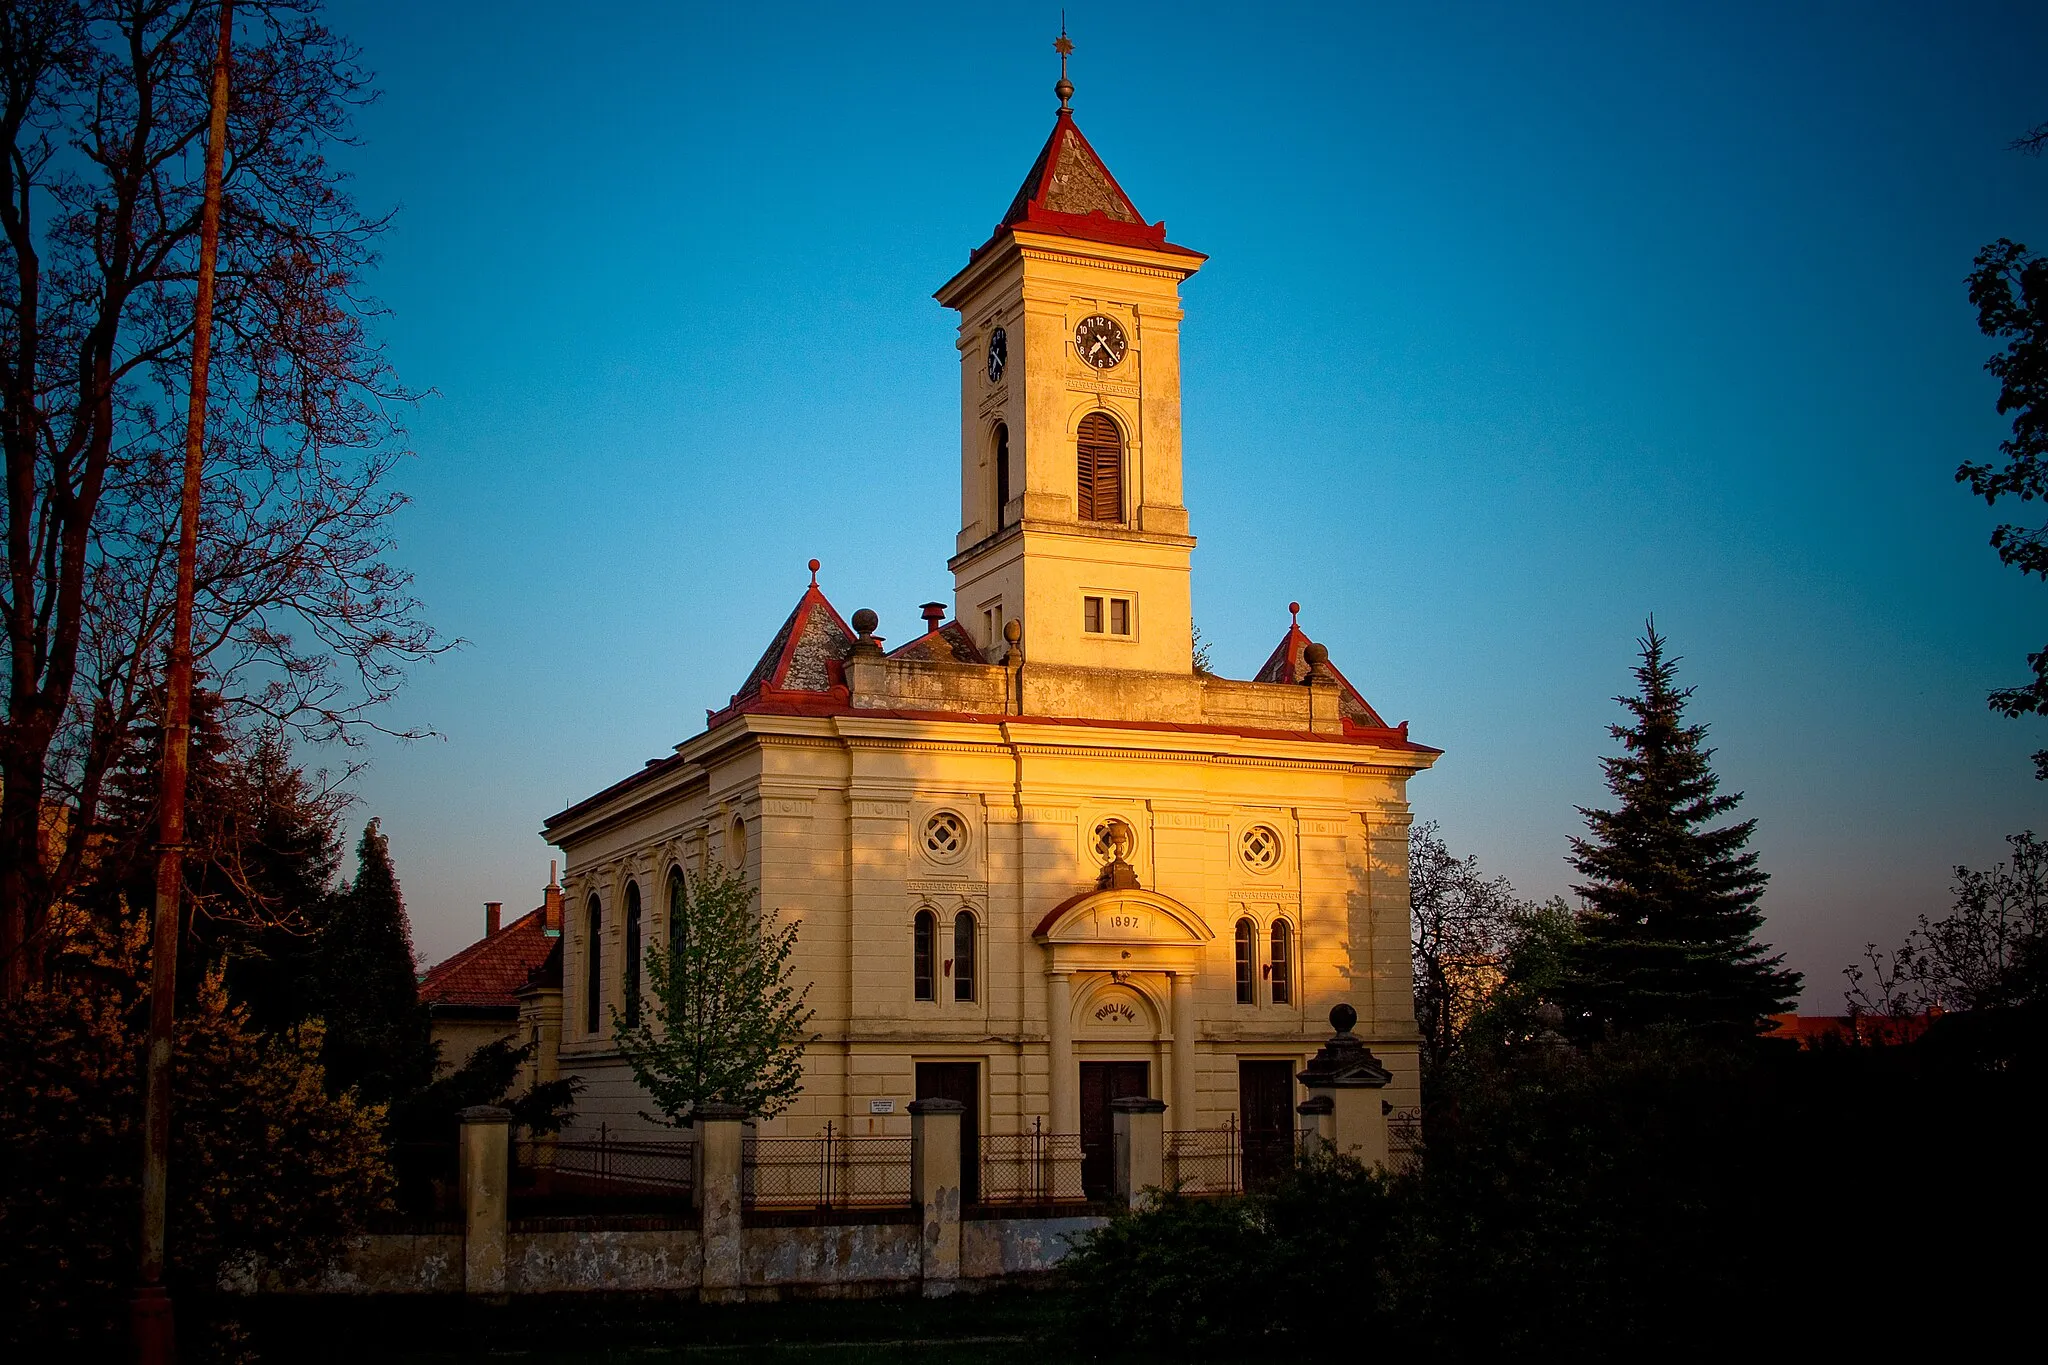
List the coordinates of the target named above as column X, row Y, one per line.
column 1259, row 846
column 945, row 837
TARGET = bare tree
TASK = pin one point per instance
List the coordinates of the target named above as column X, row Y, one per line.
column 301, row 620
column 1971, row 957
column 1462, row 923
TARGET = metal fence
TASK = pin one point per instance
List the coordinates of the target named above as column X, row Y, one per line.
column 830, row 1171
column 1205, row 1161
column 1034, row 1167
column 1404, row 1137
column 552, row 1177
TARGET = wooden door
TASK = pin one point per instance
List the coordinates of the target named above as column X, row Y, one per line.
column 1265, row 1103
column 959, row 1081
column 1102, row 1082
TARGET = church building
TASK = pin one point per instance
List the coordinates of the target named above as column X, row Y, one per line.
column 1040, row 858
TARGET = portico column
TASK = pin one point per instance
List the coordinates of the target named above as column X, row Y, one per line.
column 1184, row 1051
column 1064, row 1082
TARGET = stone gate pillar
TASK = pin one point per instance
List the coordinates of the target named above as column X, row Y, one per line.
column 935, row 1189
column 720, row 1232
column 1346, row 1075
column 484, row 1162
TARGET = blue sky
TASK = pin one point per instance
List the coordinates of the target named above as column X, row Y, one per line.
column 1520, row 324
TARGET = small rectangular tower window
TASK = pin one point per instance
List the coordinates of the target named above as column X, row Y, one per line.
column 1106, row 616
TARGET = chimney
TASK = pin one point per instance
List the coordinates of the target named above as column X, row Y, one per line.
column 551, row 908
column 934, row 614
column 492, row 915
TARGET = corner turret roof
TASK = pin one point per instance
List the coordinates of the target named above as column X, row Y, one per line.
column 1288, row 664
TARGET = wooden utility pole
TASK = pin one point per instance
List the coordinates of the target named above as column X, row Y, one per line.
column 151, row 1307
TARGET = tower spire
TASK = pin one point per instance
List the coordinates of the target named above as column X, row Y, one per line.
column 1065, row 47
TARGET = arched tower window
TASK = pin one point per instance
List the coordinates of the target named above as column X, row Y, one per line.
column 678, row 911
column 1283, row 962
column 631, row 983
column 963, row 955
column 1002, row 458
column 1247, row 970
column 593, row 969
column 1100, row 462
column 922, row 945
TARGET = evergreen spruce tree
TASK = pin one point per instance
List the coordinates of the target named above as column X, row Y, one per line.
column 1671, row 904
column 378, row 1036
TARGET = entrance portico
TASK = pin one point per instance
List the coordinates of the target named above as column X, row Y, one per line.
column 1121, row 963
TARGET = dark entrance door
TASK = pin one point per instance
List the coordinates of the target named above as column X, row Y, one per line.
column 1102, row 1082
column 959, row 1081
column 1265, row 1102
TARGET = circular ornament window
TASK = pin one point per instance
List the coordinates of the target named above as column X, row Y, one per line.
column 1109, row 833
column 736, row 843
column 945, row 837
column 1259, row 846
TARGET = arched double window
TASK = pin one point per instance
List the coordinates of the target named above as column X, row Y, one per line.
column 1282, row 962
column 593, row 965
column 1247, row 962
column 963, row 955
column 924, row 933
column 1002, row 460
column 631, row 983
column 1099, row 450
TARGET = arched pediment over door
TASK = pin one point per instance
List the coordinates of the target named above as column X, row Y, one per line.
column 1123, row 929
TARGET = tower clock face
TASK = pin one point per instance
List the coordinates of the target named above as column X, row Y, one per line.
column 1100, row 341
column 998, row 354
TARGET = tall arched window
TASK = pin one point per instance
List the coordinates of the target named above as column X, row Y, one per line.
column 593, row 965
column 1002, row 471
column 1100, row 460
column 1283, row 962
column 922, row 935
column 678, row 911
column 1247, row 970
column 632, row 975
column 963, row 955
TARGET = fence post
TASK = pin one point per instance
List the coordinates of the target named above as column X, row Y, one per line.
column 485, row 1162
column 720, row 1234
column 1345, row 1072
column 1140, row 1148
column 935, row 1188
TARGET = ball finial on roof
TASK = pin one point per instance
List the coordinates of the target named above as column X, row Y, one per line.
column 814, row 573
column 1013, row 630
column 1063, row 45
column 1294, row 613
column 865, row 621
column 1316, row 655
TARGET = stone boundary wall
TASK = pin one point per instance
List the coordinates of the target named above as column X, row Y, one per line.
column 852, row 1258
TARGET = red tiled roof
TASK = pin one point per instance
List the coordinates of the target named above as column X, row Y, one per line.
column 950, row 644
column 1069, row 192
column 1813, row 1030
column 1286, row 665
column 808, row 655
column 489, row 972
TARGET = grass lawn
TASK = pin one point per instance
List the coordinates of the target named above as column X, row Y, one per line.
column 1006, row 1327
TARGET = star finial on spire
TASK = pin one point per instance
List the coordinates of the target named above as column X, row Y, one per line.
column 1065, row 47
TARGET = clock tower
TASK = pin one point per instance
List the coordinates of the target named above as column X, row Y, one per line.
column 1071, row 519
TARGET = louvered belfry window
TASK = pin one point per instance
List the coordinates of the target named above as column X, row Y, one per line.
column 1101, row 461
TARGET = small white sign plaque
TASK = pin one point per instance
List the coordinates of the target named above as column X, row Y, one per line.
column 881, row 1106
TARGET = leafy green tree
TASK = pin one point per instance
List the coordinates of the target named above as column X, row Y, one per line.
column 1670, row 920
column 264, row 1162
column 378, row 1035
column 724, row 1023
column 2009, row 289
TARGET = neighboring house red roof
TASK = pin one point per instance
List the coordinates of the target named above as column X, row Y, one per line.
column 490, row 972
column 1815, row 1030
column 1069, row 192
